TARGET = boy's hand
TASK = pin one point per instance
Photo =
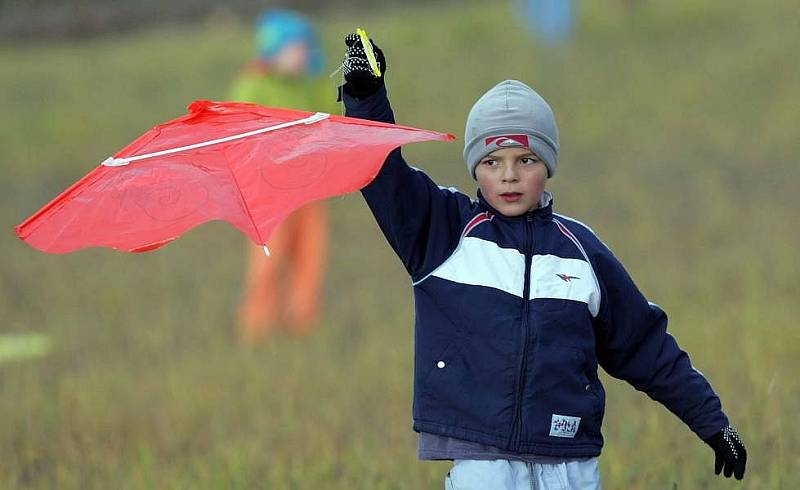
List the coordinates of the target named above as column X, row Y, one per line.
column 360, row 81
column 730, row 452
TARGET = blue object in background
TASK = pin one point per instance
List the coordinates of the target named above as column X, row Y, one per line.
column 278, row 28
column 550, row 20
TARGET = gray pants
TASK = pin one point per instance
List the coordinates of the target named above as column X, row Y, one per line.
column 502, row 474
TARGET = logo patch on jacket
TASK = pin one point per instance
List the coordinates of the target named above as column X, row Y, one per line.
column 567, row 277
column 564, row 425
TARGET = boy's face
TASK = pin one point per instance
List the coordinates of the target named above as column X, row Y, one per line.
column 511, row 180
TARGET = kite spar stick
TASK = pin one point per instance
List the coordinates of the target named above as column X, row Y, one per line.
column 118, row 162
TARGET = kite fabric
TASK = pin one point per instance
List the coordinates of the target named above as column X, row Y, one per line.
column 243, row 163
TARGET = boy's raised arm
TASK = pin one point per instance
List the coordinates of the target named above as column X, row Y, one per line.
column 421, row 221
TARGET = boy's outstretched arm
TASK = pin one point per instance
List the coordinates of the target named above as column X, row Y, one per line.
column 421, row 221
column 634, row 345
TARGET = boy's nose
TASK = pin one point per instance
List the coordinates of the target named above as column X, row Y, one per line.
column 509, row 174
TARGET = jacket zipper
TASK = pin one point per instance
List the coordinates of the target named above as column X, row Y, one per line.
column 516, row 428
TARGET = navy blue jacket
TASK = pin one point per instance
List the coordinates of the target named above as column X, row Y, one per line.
column 514, row 314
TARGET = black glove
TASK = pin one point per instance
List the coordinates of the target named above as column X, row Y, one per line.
column 730, row 452
column 360, row 81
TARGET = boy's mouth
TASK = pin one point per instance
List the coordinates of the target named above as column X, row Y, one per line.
column 511, row 196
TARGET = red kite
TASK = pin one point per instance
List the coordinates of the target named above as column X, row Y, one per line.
column 243, row 163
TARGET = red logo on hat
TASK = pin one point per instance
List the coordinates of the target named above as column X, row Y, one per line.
column 508, row 140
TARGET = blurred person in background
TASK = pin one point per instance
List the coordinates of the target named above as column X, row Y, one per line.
column 549, row 20
column 282, row 291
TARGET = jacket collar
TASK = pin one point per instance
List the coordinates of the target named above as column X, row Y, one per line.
column 543, row 212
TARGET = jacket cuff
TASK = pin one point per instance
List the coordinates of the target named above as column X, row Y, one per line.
column 376, row 107
column 709, row 430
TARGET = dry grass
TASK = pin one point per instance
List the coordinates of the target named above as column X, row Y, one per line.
column 679, row 145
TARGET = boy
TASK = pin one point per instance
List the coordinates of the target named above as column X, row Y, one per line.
column 516, row 306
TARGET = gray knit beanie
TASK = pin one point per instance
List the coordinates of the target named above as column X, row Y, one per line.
column 511, row 114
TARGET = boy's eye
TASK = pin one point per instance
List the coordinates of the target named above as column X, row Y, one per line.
column 489, row 162
column 529, row 160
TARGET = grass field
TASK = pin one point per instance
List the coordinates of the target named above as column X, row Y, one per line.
column 679, row 135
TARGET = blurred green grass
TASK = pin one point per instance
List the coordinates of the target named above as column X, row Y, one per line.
column 678, row 126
